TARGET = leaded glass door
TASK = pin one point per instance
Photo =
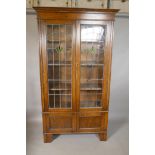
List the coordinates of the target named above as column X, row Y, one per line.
column 60, row 65
column 91, row 63
column 90, row 51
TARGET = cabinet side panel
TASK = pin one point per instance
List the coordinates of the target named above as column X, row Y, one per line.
column 107, row 69
column 41, row 65
column 40, row 29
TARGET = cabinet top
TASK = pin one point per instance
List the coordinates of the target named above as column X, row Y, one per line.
column 75, row 13
column 68, row 9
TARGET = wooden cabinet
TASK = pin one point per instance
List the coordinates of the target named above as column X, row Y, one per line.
column 75, row 67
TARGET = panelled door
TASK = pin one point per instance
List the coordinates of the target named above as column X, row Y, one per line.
column 75, row 70
column 58, row 49
column 91, row 67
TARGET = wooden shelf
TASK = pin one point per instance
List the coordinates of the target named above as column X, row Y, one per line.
column 91, row 80
column 93, row 41
column 92, row 64
column 61, row 94
column 89, row 104
column 91, row 94
column 90, row 88
column 87, row 62
column 51, row 41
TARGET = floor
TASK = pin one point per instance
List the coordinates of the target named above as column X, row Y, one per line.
column 80, row 144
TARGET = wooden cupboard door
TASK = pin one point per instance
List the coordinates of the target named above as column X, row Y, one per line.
column 92, row 48
column 57, row 68
column 59, row 122
column 92, row 122
column 93, row 65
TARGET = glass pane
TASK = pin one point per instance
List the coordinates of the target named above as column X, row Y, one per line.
column 59, row 49
column 92, row 65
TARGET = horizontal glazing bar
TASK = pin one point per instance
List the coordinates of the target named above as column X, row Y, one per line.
column 92, row 41
column 92, row 64
column 59, row 89
column 61, row 108
column 59, row 64
column 55, row 48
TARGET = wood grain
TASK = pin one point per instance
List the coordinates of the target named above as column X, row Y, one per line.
column 75, row 119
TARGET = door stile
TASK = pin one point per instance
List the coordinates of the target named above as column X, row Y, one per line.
column 77, row 72
column 107, row 66
column 74, row 78
column 77, row 66
column 43, row 66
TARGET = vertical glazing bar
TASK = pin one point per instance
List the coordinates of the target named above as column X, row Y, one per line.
column 102, row 77
column 53, row 65
column 97, row 72
column 93, row 69
column 71, row 62
column 87, row 71
column 48, row 30
column 59, row 69
column 86, row 49
column 65, row 66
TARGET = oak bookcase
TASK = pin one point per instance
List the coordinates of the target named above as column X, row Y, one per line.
column 75, row 68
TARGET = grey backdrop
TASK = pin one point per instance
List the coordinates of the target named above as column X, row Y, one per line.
column 119, row 99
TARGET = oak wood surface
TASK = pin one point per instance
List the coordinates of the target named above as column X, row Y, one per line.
column 76, row 10
column 75, row 13
column 76, row 119
column 48, row 138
